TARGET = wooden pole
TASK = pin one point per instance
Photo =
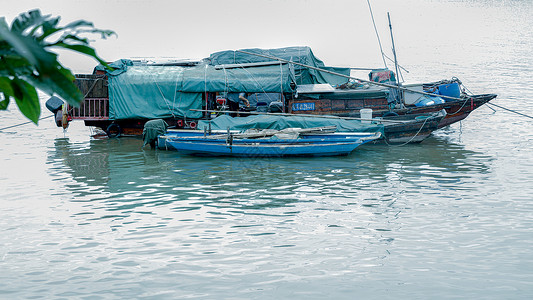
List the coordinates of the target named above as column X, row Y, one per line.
column 395, row 59
column 299, row 115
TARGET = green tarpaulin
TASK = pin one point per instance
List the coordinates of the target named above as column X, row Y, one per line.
column 140, row 91
column 265, row 79
column 302, row 55
column 150, row 92
column 282, row 122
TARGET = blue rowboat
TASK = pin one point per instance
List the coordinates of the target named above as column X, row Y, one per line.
column 323, row 144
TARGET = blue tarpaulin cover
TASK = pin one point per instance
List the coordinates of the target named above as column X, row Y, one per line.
column 282, row 122
column 152, row 92
column 302, row 55
column 264, row 79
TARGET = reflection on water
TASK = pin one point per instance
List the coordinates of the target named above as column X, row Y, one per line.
column 198, row 220
column 449, row 218
column 116, row 172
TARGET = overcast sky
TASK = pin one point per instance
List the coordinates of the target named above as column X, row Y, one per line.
column 194, row 29
column 340, row 32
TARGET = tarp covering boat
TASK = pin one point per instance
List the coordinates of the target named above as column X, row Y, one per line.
column 263, row 79
column 281, row 122
column 152, row 92
column 302, row 55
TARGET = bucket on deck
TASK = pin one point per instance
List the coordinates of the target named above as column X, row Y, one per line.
column 366, row 115
column 450, row 90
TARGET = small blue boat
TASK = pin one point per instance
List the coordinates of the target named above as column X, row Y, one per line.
column 284, row 143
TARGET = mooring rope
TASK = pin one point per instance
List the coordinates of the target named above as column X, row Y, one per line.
column 513, row 111
column 1, row 129
column 385, row 139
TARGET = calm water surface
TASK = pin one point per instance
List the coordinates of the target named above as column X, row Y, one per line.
column 451, row 217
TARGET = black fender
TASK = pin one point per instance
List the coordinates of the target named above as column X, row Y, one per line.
column 113, row 130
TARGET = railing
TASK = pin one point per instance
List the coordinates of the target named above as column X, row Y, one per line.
column 91, row 109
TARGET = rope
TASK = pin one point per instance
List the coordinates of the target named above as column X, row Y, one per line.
column 464, row 103
column 163, row 96
column 410, row 139
column 346, row 76
column 1, row 129
column 377, row 34
column 513, row 111
column 176, row 90
column 258, row 84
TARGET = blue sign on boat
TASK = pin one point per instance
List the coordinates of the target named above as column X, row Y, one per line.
column 303, row 106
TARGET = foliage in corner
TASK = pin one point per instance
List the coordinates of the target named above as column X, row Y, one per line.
column 27, row 61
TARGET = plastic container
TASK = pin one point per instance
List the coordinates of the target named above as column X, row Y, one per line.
column 450, row 90
column 366, row 115
column 428, row 101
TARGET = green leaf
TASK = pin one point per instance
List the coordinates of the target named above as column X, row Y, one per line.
column 27, row 99
column 28, row 48
column 4, row 103
column 84, row 50
column 5, row 87
column 59, row 81
column 26, row 20
column 14, row 64
column 6, row 90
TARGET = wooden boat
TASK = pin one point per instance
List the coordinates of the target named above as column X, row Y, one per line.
column 411, row 128
column 120, row 102
column 284, row 143
column 414, row 129
column 349, row 102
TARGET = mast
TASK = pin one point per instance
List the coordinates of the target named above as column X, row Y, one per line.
column 395, row 59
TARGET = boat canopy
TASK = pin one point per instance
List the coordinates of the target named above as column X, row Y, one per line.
column 141, row 90
column 151, row 92
column 261, row 79
column 299, row 54
column 224, row 122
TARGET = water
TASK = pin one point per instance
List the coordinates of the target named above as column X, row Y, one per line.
column 448, row 218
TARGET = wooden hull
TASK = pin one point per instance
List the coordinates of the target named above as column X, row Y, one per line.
column 349, row 105
column 418, row 128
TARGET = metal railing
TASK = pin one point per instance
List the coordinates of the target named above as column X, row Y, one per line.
column 91, row 109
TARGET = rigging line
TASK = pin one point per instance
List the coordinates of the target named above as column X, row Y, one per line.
column 280, row 78
column 460, row 108
column 1, row 129
column 349, row 77
column 162, row 95
column 91, row 88
column 377, row 34
column 513, row 111
column 252, row 76
column 385, row 139
column 392, row 60
column 84, row 96
column 205, row 86
column 225, row 81
column 493, row 110
column 176, row 90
